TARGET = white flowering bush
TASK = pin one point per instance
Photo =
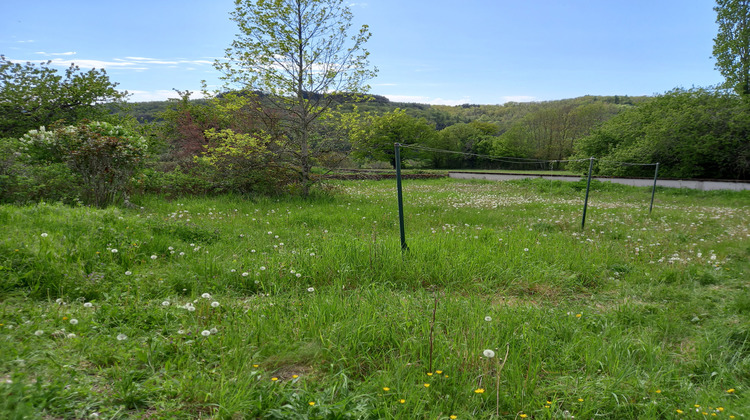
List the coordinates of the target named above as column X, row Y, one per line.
column 104, row 155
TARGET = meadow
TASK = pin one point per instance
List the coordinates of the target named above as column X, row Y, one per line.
column 288, row 308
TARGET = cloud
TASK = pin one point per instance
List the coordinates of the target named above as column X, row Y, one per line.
column 126, row 63
column 54, row 54
column 427, row 100
column 159, row 95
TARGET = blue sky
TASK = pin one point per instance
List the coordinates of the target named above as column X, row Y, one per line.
column 437, row 51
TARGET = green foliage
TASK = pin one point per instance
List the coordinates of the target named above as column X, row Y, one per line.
column 102, row 155
column 732, row 44
column 694, row 133
column 33, row 96
column 377, row 138
column 300, row 53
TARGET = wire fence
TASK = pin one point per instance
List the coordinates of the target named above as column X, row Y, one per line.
column 506, row 159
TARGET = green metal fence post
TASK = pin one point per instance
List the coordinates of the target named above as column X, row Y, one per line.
column 588, row 187
column 653, row 190
column 400, row 197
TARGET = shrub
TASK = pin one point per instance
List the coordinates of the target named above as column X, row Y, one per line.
column 104, row 156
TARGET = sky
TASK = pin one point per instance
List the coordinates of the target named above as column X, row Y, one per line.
column 436, row 52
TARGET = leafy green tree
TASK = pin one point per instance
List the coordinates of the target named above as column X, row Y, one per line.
column 299, row 54
column 732, row 43
column 696, row 133
column 32, row 96
column 376, row 141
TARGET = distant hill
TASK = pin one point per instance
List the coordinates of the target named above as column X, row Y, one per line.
column 440, row 115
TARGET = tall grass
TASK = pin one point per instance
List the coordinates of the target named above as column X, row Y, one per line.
column 290, row 308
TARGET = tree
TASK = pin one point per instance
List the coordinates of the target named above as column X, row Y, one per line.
column 300, row 55
column 376, row 141
column 732, row 43
column 33, row 96
column 694, row 133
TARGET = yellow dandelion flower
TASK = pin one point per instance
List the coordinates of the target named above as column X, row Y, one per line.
column 523, row 416
column 578, row 315
column 731, row 417
column 730, row 390
column 65, row 318
column 255, row 366
column 429, row 373
column 386, row 389
column 401, row 401
column 580, row 400
column 274, row 379
column 439, row 372
column 679, row 411
column 549, row 402
column 295, row 376
column 546, row 406
column 426, row 385
column 479, row 391
column 658, row 391
column 704, row 413
column 446, row 376
column 453, row 416
column 311, row 403
column 713, row 414
column 720, row 408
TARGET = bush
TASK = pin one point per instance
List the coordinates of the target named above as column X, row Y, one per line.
column 102, row 155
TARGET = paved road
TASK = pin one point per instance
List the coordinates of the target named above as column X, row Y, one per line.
column 703, row 185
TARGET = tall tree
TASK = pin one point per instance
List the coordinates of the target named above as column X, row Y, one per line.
column 299, row 54
column 33, row 96
column 732, row 43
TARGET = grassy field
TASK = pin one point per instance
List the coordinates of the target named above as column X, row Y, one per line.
column 503, row 307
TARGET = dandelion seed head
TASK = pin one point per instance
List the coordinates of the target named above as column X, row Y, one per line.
column 205, row 333
column 38, row 333
column 488, row 318
column 73, row 321
column 121, row 337
column 88, row 305
column 206, row 296
column 310, row 289
column 215, row 304
column 165, row 303
column 488, row 354
column 44, row 235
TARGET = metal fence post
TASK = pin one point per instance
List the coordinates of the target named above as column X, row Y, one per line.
column 400, row 197
column 588, row 187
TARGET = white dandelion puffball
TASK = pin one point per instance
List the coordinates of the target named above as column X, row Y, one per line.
column 488, row 318
column 310, row 289
column 127, row 273
column 44, row 235
column 488, row 354
column 114, row 250
column 121, row 337
column 206, row 296
column 205, row 333
column 38, row 333
column 73, row 321
column 214, row 330
column 153, row 257
column 88, row 305
column 214, row 304
column 165, row 303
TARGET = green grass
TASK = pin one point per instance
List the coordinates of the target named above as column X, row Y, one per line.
column 637, row 316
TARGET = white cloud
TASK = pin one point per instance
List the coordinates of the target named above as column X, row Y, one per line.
column 427, row 100
column 127, row 63
column 53, row 54
column 159, row 95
